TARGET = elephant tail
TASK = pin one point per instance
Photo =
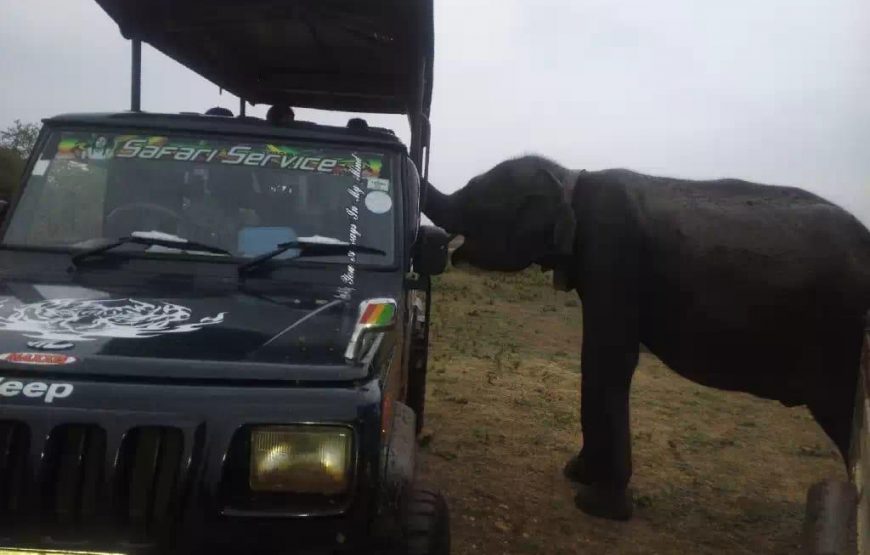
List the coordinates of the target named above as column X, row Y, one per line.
column 859, row 264
column 863, row 277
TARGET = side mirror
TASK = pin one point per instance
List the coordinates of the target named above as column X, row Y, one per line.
column 430, row 251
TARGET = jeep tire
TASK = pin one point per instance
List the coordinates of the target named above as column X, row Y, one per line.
column 427, row 524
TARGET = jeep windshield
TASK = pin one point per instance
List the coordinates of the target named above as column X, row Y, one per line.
column 225, row 198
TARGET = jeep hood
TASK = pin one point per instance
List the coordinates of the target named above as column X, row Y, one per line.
column 203, row 334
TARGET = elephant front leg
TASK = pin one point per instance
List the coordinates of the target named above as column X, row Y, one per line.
column 610, row 274
column 603, row 467
column 606, row 452
column 611, row 349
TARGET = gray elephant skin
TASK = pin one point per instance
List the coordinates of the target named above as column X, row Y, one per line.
column 734, row 285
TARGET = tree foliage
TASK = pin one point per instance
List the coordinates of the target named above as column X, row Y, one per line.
column 11, row 166
column 16, row 142
column 19, row 137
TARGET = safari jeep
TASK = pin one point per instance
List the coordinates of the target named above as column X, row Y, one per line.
column 213, row 330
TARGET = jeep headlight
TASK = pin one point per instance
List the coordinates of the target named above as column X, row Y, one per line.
column 301, row 459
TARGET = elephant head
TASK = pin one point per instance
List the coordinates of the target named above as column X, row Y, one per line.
column 510, row 217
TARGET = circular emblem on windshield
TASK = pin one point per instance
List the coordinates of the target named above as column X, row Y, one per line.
column 51, row 345
column 378, row 202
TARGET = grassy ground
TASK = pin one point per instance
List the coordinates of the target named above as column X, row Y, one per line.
column 714, row 472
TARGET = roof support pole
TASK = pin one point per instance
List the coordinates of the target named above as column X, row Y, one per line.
column 136, row 77
column 242, row 106
column 417, row 118
column 427, row 146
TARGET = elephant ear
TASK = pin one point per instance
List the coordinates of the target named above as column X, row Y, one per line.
column 565, row 227
column 564, row 233
column 547, row 219
column 534, row 219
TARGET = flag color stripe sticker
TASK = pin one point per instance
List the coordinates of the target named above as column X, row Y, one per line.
column 378, row 314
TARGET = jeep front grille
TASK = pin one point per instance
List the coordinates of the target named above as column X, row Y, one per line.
column 149, row 467
column 14, row 441
column 74, row 459
column 65, row 482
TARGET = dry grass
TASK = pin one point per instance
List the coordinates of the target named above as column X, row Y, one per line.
column 714, row 472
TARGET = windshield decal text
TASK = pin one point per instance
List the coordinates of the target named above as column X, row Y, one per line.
column 348, row 278
column 139, row 148
column 235, row 156
column 203, row 152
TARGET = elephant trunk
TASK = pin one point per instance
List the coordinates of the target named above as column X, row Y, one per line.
column 440, row 208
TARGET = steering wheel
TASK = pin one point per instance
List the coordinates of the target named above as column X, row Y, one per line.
column 145, row 207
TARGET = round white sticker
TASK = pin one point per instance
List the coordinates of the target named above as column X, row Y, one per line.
column 379, row 202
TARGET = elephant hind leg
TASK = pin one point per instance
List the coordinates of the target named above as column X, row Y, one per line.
column 831, row 397
column 833, row 404
column 834, row 415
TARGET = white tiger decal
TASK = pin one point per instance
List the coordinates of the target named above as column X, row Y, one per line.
column 87, row 320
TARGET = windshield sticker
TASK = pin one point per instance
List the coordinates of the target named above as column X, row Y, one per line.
column 378, row 184
column 140, row 147
column 378, row 202
column 40, row 167
column 355, row 192
column 100, row 150
column 86, row 320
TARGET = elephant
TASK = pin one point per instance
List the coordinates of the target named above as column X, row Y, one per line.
column 735, row 285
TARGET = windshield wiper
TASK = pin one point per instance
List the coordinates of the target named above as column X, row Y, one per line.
column 307, row 248
column 180, row 244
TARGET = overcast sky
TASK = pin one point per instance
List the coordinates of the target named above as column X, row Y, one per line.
column 776, row 91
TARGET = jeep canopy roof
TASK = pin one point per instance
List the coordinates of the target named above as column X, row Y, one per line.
column 348, row 55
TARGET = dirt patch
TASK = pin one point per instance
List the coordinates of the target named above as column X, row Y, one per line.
column 714, row 472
